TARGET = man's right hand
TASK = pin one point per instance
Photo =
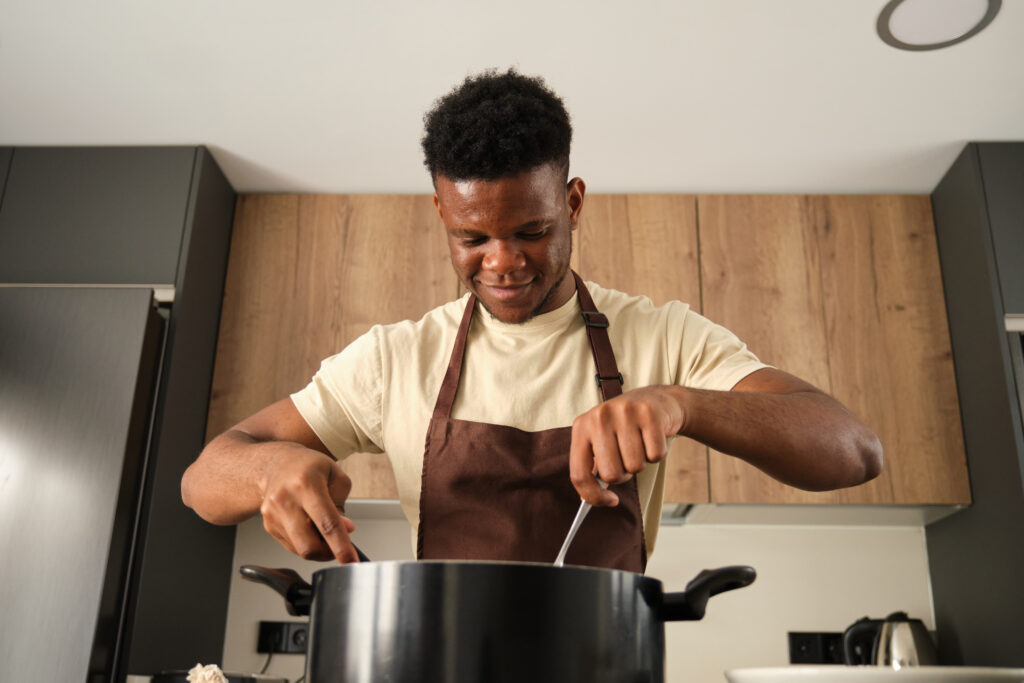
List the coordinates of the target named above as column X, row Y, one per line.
column 272, row 463
column 304, row 494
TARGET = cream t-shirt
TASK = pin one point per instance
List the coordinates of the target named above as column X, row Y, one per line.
column 377, row 395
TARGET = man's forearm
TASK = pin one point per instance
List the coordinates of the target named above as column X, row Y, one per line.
column 805, row 439
column 223, row 484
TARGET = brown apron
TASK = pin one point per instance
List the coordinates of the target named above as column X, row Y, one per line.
column 492, row 492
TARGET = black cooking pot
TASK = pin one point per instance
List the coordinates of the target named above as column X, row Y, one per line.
column 457, row 622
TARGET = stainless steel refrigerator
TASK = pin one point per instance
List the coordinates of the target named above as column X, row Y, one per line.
column 78, row 374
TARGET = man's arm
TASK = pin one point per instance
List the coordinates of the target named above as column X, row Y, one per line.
column 771, row 419
column 272, row 463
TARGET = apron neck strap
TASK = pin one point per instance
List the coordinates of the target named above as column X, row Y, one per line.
column 608, row 377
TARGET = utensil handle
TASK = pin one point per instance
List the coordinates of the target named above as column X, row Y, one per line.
column 581, row 514
column 691, row 604
column 297, row 594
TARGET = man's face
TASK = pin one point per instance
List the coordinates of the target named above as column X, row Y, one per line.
column 511, row 238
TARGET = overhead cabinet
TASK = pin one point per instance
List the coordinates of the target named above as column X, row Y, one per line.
column 842, row 291
column 1001, row 170
column 5, row 165
column 846, row 293
column 95, row 215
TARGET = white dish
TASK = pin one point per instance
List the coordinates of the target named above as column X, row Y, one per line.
column 875, row 674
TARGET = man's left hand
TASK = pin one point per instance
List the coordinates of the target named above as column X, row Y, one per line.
column 618, row 438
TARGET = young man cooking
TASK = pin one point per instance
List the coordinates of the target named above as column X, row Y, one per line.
column 488, row 406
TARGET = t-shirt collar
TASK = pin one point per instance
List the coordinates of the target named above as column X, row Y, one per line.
column 559, row 317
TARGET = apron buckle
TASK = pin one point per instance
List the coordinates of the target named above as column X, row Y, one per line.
column 598, row 320
column 613, row 378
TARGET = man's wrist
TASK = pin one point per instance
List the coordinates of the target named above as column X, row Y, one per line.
column 683, row 399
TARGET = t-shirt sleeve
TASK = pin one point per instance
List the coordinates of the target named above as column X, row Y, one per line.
column 342, row 403
column 712, row 357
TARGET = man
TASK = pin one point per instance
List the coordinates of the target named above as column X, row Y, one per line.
column 496, row 418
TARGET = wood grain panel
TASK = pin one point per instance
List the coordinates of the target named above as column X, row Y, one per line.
column 760, row 267
column 868, row 310
column 888, row 340
column 647, row 244
column 306, row 275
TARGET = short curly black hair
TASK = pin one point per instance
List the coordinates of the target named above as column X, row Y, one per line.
column 496, row 125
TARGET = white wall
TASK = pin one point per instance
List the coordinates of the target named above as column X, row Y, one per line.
column 816, row 578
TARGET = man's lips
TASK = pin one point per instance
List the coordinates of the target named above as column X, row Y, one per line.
column 505, row 291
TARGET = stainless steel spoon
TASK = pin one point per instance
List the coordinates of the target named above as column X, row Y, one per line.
column 576, row 522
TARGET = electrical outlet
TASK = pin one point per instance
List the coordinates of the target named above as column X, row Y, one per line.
column 288, row 637
column 815, row 648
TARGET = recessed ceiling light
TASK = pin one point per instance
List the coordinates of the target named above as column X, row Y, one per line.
column 933, row 24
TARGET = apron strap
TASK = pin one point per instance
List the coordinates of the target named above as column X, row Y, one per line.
column 609, row 379
column 450, row 384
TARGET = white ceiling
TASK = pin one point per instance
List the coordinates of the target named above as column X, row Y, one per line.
column 679, row 96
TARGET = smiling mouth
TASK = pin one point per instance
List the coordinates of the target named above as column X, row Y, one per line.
column 506, row 292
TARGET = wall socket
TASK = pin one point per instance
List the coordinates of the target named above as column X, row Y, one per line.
column 287, row 637
column 815, row 648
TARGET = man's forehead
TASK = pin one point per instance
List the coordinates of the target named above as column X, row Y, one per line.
column 533, row 191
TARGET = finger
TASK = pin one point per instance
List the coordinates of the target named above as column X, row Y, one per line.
column 332, row 527
column 304, row 538
column 655, row 445
column 607, row 457
column 286, row 521
column 581, row 470
column 632, row 449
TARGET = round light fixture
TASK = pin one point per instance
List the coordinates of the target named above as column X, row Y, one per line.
column 933, row 24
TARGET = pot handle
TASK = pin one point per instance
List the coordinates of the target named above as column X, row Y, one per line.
column 297, row 594
column 691, row 604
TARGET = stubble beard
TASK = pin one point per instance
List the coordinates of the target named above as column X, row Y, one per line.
column 543, row 302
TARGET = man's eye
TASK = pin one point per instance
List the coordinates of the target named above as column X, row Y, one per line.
column 473, row 241
column 535, row 235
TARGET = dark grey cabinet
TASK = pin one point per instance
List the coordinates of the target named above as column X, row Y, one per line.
column 138, row 217
column 975, row 556
column 89, row 215
column 1002, row 174
column 5, row 163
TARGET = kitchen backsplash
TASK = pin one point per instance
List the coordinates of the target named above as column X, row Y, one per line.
column 810, row 578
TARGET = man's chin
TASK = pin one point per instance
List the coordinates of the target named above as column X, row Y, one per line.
column 511, row 315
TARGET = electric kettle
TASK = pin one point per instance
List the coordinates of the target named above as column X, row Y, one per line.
column 896, row 641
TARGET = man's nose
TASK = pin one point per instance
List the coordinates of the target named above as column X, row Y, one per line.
column 503, row 256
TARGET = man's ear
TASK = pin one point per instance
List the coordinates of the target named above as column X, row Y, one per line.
column 437, row 205
column 576, row 190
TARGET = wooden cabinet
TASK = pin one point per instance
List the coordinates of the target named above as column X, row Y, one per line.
column 307, row 275
column 844, row 292
column 647, row 244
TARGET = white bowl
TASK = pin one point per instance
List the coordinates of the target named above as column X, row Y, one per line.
column 875, row 674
